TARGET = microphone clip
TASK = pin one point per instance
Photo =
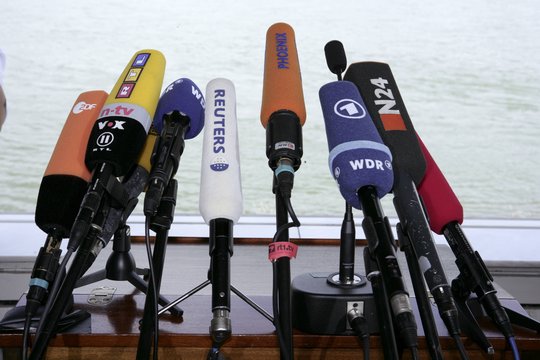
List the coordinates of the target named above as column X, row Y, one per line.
column 165, row 158
column 284, row 139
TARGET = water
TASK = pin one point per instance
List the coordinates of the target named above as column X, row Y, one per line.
column 469, row 73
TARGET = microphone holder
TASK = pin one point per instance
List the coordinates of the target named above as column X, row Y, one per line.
column 121, row 266
column 346, row 276
column 321, row 301
column 221, row 249
column 469, row 305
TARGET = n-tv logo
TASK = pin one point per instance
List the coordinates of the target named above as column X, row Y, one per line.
column 390, row 116
column 349, row 109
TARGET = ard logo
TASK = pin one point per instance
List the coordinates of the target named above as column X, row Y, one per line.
column 349, row 109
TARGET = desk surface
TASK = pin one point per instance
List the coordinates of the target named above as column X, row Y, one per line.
column 114, row 327
column 112, row 331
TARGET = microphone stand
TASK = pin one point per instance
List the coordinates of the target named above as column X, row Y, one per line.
column 381, row 246
column 474, row 277
column 220, row 249
column 424, row 306
column 346, row 277
column 160, row 224
column 414, row 224
column 282, row 282
column 121, row 266
column 384, row 314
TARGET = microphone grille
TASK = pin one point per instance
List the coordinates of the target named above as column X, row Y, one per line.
column 335, row 56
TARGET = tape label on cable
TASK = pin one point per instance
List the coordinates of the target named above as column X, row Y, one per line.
column 281, row 249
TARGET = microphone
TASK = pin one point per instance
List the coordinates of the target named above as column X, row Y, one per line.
column 376, row 83
column 335, row 57
column 61, row 191
column 179, row 116
column 441, row 204
column 283, row 113
column 66, row 177
column 120, row 132
column 283, row 110
column 115, row 142
column 383, row 100
column 118, row 135
column 220, row 197
column 361, row 164
column 445, row 215
column 221, row 187
column 357, row 155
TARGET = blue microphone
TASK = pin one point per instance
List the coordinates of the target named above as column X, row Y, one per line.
column 185, row 96
column 358, row 157
column 362, row 166
column 179, row 115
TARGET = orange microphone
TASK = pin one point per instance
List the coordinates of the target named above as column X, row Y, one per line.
column 66, row 178
column 282, row 114
column 283, row 111
column 62, row 189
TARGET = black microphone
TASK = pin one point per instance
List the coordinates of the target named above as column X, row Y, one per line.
column 361, row 165
column 336, row 61
column 335, row 57
column 179, row 116
column 383, row 100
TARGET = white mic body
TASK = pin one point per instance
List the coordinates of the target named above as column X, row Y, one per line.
column 221, row 186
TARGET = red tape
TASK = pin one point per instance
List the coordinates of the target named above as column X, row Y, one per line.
column 281, row 249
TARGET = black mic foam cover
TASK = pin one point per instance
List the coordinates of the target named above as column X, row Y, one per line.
column 335, row 56
column 385, row 105
column 119, row 134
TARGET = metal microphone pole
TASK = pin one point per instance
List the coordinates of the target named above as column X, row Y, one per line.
column 160, row 224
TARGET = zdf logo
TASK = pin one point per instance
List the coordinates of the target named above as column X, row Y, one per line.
column 82, row 106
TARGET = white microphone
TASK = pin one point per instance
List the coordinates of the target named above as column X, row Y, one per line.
column 221, row 188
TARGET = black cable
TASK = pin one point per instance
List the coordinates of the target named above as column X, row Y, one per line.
column 365, row 346
column 460, row 347
column 154, row 288
column 359, row 324
column 294, row 223
column 55, row 288
column 414, row 353
column 26, row 335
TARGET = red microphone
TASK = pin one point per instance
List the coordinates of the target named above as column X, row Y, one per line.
column 441, row 204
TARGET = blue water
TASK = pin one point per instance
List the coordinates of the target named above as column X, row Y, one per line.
column 469, row 73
